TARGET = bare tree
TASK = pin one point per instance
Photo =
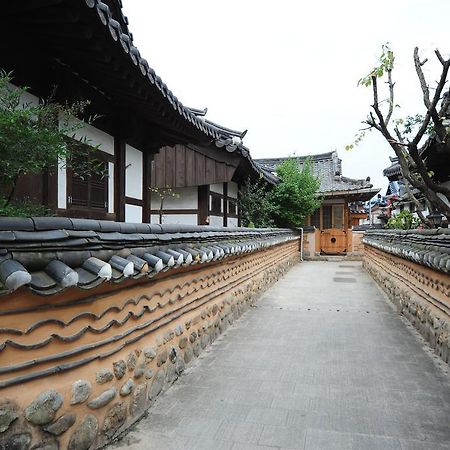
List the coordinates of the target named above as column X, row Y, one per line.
column 163, row 193
column 417, row 136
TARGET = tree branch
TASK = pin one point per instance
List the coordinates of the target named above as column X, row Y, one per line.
column 431, row 105
column 417, row 203
column 399, row 135
column 391, row 97
column 414, row 152
column 439, row 57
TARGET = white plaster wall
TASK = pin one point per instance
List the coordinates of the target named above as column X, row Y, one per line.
column 133, row 213
column 188, row 199
column 26, row 98
column 233, row 189
column 91, row 135
column 133, row 172
column 218, row 188
column 110, row 187
column 185, row 219
column 62, row 185
column 216, row 221
column 232, row 222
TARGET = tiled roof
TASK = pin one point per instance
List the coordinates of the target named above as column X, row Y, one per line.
column 393, row 170
column 427, row 247
column 49, row 254
column 327, row 167
column 223, row 137
column 121, row 34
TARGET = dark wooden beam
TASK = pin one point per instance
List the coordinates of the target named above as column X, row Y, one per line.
column 225, row 204
column 203, row 204
column 146, row 159
column 119, row 179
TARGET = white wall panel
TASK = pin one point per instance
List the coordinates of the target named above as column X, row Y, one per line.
column 133, row 214
column 92, row 136
column 62, row 184
column 26, row 98
column 133, row 172
column 188, row 199
column 232, row 222
column 185, row 219
column 232, row 189
column 218, row 188
column 110, row 187
column 216, row 221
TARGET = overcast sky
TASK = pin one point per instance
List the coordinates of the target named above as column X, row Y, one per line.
column 287, row 70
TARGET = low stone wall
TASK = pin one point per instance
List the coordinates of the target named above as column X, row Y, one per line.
column 78, row 367
column 413, row 269
column 357, row 244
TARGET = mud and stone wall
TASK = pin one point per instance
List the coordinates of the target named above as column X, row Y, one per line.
column 412, row 269
column 357, row 244
column 87, row 364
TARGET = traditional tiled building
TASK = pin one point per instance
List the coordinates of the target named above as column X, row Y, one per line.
column 83, row 50
column 341, row 196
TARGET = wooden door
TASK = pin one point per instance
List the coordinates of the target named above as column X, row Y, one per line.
column 333, row 241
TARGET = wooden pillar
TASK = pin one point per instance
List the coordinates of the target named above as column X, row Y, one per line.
column 238, row 204
column 119, row 179
column 347, row 225
column 146, row 197
column 225, row 204
column 50, row 189
column 203, row 204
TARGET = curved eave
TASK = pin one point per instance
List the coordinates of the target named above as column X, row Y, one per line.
column 364, row 194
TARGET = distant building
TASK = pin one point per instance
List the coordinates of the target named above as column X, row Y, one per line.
column 342, row 200
column 398, row 199
column 436, row 159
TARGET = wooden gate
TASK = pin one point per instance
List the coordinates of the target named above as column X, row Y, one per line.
column 333, row 241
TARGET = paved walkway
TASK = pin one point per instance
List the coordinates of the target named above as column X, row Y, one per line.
column 322, row 362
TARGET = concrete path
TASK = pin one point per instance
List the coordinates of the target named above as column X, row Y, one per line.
column 322, row 362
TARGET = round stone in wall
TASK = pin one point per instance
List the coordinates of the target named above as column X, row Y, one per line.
column 180, row 366
column 139, row 371
column 138, row 401
column 20, row 441
column 114, row 418
column 47, row 444
column 171, row 374
column 188, row 354
column 157, row 385
column 173, row 355
column 103, row 399
column 131, row 361
column 127, row 388
column 149, row 353
column 197, row 348
column 103, row 376
column 204, row 341
column 7, row 416
column 62, row 424
column 81, row 390
column 162, row 358
column 83, row 437
column 119, row 368
column 43, row 409
column 182, row 342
